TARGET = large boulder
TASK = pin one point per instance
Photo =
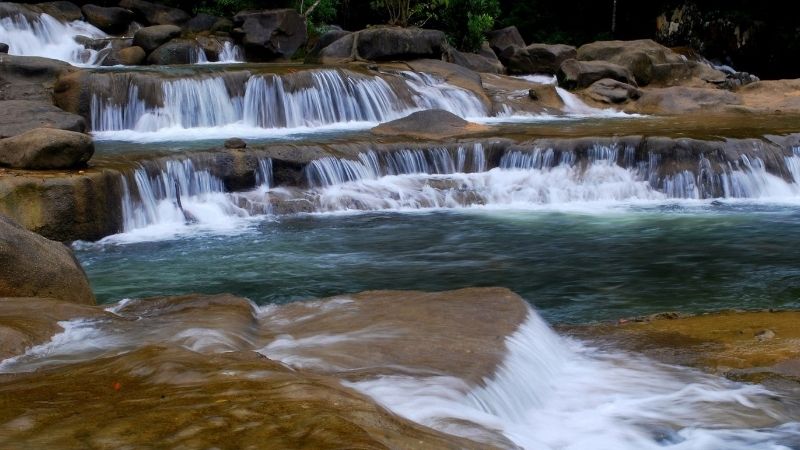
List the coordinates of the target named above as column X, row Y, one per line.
column 177, row 51
column 340, row 51
column 270, row 34
column 3, row 47
column 61, row 10
column 131, row 56
column 648, row 61
column 394, row 43
column 155, row 14
column 29, row 77
column 612, row 91
column 574, row 74
column 536, row 58
column 475, row 61
column 327, row 38
column 150, row 38
column 201, row 22
column 112, row 20
column 503, row 38
column 429, row 124
column 46, row 148
column 681, row 100
column 33, row 266
column 19, row 116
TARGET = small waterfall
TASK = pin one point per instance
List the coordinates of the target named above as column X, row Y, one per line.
column 175, row 194
column 46, row 36
column 230, row 53
column 300, row 101
column 264, row 173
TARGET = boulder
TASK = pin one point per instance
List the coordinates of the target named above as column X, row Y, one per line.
column 612, row 91
column 503, row 38
column 150, row 38
column 429, row 124
column 394, row 43
column 46, row 148
column 112, row 20
column 19, row 116
column 29, row 77
column 270, row 34
column 681, row 100
column 91, row 43
column 201, row 22
column 340, row 51
column 176, row 51
column 131, row 56
column 324, row 41
column 476, row 62
column 33, row 266
column 648, row 61
column 574, row 74
column 155, row 14
column 536, row 58
column 30, row 12
column 64, row 11
column 3, row 47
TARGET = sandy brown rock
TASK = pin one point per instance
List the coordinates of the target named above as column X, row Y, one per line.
column 574, row 74
column 429, row 124
column 681, row 100
column 46, row 148
column 33, row 266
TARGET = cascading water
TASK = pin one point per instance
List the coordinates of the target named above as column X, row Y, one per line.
column 198, row 108
column 229, row 53
column 48, row 37
column 552, row 393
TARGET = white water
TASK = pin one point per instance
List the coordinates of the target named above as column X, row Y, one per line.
column 272, row 105
column 230, row 54
column 553, row 393
column 49, row 38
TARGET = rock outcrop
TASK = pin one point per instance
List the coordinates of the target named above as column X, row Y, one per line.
column 536, row 58
column 46, row 148
column 33, row 266
column 270, row 34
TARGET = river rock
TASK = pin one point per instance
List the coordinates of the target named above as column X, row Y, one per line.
column 112, row 20
column 270, row 34
column 61, row 10
column 150, row 38
column 681, row 99
column 536, row 58
column 131, row 56
column 201, row 22
column 612, row 91
column 503, row 38
column 154, row 13
column 394, row 43
column 328, row 38
column 33, row 266
column 233, row 143
column 340, row 51
column 29, row 77
column 429, row 124
column 3, row 47
column 476, row 62
column 574, row 74
column 20, row 116
column 30, row 12
column 46, row 148
column 176, row 51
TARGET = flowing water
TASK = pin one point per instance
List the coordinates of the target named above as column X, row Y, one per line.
column 48, row 37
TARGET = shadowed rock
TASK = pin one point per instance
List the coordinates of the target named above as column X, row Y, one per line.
column 113, row 20
column 33, row 266
column 394, row 43
column 574, row 74
column 503, row 38
column 154, row 13
column 61, row 10
column 270, row 34
column 536, row 58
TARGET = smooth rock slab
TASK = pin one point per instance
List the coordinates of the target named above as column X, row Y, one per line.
column 46, row 148
column 20, row 116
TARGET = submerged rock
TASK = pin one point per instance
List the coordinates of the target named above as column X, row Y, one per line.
column 235, row 143
column 46, row 148
column 429, row 124
column 33, row 266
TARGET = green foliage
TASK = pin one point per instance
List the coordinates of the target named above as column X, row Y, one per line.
column 318, row 13
column 224, row 8
column 467, row 21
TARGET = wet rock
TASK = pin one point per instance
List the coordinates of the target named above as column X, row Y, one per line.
column 61, row 10
column 679, row 100
column 112, row 20
column 46, row 148
column 154, row 13
column 511, row 93
column 503, row 38
column 536, row 58
column 233, row 143
column 131, row 56
column 612, row 91
column 765, row 335
column 150, row 38
column 29, row 77
column 574, row 74
column 429, row 124
column 270, row 34
column 20, row 116
column 33, row 266
column 772, row 96
column 394, row 43
column 30, row 12
column 474, row 61
column 340, row 51
column 3, row 47
column 176, row 51
column 64, row 206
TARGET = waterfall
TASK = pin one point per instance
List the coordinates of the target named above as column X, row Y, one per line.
column 47, row 37
column 554, row 393
column 231, row 53
column 207, row 107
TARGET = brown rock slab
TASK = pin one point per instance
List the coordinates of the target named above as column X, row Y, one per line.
column 46, row 148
